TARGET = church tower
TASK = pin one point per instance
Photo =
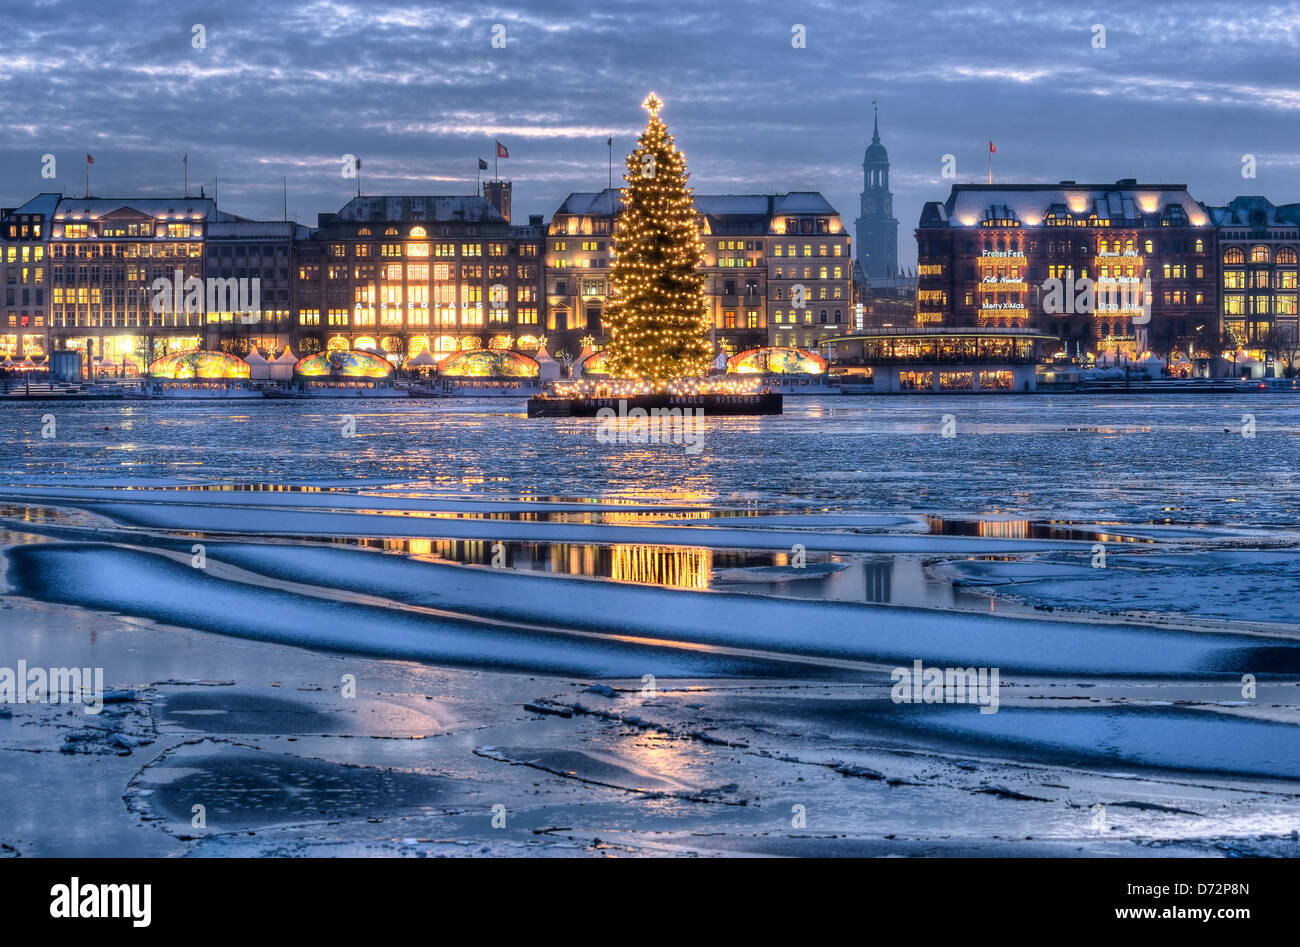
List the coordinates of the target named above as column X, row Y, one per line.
column 877, row 229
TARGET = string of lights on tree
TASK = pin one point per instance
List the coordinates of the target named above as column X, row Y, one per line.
column 657, row 318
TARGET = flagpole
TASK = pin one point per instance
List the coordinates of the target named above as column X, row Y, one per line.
column 610, row 142
column 186, row 161
column 87, row 177
column 990, row 161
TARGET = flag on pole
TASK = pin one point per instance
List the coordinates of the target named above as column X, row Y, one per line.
column 186, row 159
column 89, row 158
column 482, row 165
column 992, row 150
column 501, row 151
column 610, row 141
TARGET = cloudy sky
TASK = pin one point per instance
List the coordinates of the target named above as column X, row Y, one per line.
column 1180, row 93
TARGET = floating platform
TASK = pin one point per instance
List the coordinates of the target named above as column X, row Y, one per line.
column 758, row 403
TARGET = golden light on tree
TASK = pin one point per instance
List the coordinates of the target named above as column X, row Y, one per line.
column 657, row 318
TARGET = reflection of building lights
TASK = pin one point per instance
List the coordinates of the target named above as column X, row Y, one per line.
column 679, row 568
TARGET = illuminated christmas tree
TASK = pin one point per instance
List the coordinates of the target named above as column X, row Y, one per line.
column 657, row 316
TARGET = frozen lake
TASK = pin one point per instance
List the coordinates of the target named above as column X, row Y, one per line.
column 501, row 589
column 1145, row 458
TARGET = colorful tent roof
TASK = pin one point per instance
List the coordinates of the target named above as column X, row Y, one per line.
column 773, row 360
column 488, row 363
column 352, row 364
column 199, row 364
column 593, row 364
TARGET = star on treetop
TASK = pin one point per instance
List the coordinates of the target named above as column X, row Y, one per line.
column 652, row 104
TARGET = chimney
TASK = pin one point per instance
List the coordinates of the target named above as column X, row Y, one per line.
column 497, row 193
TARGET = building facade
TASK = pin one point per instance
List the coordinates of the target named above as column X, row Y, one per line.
column 24, row 276
column 400, row 275
column 1256, row 264
column 777, row 269
column 987, row 256
column 105, row 257
column 254, row 309
column 876, row 226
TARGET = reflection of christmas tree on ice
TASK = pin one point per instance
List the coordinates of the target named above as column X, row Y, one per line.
column 657, row 316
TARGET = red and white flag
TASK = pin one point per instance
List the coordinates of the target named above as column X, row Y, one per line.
column 89, row 158
column 501, row 151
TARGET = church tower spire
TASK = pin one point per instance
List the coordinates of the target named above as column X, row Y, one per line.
column 876, row 228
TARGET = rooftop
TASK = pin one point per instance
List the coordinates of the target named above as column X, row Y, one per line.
column 428, row 208
column 1126, row 200
column 201, row 208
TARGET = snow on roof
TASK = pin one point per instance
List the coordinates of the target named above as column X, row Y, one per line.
column 733, row 204
column 156, row 207
column 607, row 203
column 803, row 202
column 435, row 208
column 40, row 204
column 603, row 203
column 968, row 204
column 1253, row 210
column 278, row 229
